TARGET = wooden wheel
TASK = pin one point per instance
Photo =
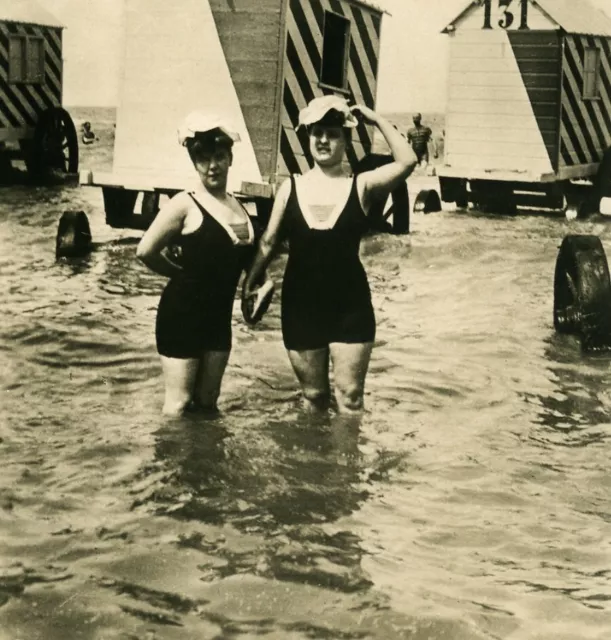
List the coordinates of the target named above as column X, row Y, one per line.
column 55, row 144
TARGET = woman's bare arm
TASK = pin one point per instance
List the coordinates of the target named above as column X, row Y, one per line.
column 384, row 179
column 269, row 240
column 165, row 229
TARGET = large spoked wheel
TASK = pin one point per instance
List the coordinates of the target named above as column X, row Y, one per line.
column 55, row 144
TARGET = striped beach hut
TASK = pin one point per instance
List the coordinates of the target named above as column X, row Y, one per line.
column 257, row 63
column 32, row 119
column 529, row 100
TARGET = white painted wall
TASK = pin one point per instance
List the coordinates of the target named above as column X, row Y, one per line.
column 490, row 123
column 173, row 63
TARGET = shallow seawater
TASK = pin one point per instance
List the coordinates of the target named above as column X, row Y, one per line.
column 471, row 500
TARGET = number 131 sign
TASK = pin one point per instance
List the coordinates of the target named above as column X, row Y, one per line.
column 509, row 18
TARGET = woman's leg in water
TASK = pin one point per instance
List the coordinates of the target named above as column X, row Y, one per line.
column 209, row 378
column 312, row 370
column 179, row 376
column 350, row 365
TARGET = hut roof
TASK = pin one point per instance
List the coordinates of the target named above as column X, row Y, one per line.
column 581, row 17
column 27, row 12
column 369, row 5
column 586, row 18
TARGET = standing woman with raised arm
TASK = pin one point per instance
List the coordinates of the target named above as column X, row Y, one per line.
column 327, row 312
column 217, row 237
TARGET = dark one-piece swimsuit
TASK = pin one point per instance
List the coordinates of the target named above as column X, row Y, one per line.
column 325, row 293
column 194, row 313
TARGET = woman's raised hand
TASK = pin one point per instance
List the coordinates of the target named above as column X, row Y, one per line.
column 363, row 112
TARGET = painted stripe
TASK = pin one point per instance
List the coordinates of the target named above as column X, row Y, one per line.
column 357, row 41
column 602, row 107
column 567, row 158
column 8, row 114
column 303, row 61
column 376, row 21
column 366, row 39
column 52, row 77
column 355, row 66
column 296, row 67
column 302, row 57
column 319, row 14
column 53, row 82
column 15, row 102
column 298, row 21
column 42, row 93
column 575, row 141
column 54, row 55
column 606, row 83
column 575, row 71
column 292, row 110
column 55, row 43
column 593, row 116
column 4, row 122
column 372, row 22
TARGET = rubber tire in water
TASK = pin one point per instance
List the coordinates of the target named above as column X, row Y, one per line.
column 582, row 291
column 73, row 235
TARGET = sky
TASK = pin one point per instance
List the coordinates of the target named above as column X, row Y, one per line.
column 413, row 55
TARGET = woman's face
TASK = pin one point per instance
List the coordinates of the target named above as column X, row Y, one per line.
column 327, row 144
column 213, row 168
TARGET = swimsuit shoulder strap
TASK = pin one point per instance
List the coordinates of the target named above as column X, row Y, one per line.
column 200, row 206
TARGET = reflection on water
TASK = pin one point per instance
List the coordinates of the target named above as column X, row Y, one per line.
column 471, row 500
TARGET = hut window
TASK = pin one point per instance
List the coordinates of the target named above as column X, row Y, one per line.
column 26, row 59
column 591, row 75
column 336, row 44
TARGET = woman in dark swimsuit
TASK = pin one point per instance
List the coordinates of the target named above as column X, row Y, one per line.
column 326, row 303
column 216, row 238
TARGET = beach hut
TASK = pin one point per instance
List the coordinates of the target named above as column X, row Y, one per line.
column 33, row 124
column 529, row 103
column 257, row 63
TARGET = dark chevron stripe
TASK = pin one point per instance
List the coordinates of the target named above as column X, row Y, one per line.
column 7, row 113
column 606, row 81
column 52, row 67
column 369, row 50
column 566, row 155
column 336, row 6
column 573, row 139
column 306, row 35
column 304, row 39
column 602, row 109
column 287, row 154
column 319, row 14
column 594, row 129
column 361, row 78
column 17, row 105
column 43, row 94
column 54, row 86
column 292, row 111
column 355, row 62
column 377, row 23
column 594, row 118
column 57, row 52
column 25, row 91
column 297, row 68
